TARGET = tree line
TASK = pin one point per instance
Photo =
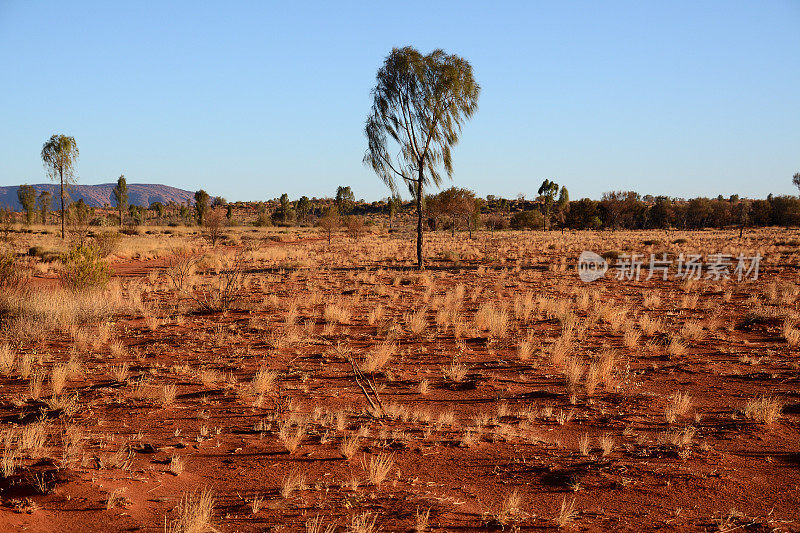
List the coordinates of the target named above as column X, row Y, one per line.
column 420, row 104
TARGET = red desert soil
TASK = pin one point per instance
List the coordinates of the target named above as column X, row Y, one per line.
column 167, row 404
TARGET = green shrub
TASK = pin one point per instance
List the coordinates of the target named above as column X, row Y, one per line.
column 263, row 220
column 85, row 268
column 9, row 273
column 527, row 220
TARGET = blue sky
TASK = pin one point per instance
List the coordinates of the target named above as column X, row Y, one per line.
column 250, row 100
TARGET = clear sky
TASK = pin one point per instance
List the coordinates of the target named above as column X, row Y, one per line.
column 252, row 99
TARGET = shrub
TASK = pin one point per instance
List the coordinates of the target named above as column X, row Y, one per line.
column 263, row 220
column 85, row 268
column 9, row 271
column 355, row 226
column 527, row 220
column 107, row 243
column 214, row 224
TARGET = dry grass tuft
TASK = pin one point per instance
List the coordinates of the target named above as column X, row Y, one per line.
column 417, row 322
column 263, row 381
column 378, row 357
column 315, row 526
column 363, row 523
column 194, row 514
column 559, row 350
column 378, row 468
column 492, row 319
column 583, row 445
column 679, row 405
column 176, row 465
column 294, row 481
column 606, row 444
column 120, row 372
column 423, row 519
column 7, row 359
column 291, row 436
column 763, row 409
column 336, row 314
column 511, row 506
column 567, row 513
column 456, row 372
column 58, row 378
column 676, row 348
column 524, row 350
column 350, row 445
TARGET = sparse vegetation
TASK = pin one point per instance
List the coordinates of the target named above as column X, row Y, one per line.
column 472, row 363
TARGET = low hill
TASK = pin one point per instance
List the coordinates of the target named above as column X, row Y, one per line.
column 142, row 194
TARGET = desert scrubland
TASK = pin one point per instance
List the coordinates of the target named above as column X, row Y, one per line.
column 276, row 382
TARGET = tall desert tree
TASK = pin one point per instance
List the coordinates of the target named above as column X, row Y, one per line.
column 59, row 155
column 548, row 191
column 796, row 180
column 27, row 197
column 121, row 196
column 45, row 199
column 419, row 105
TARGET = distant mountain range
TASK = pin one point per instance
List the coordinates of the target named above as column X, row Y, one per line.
column 142, row 194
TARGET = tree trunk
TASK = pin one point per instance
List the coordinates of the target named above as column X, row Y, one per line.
column 420, row 264
column 61, row 176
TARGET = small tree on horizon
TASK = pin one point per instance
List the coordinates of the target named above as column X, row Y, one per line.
column 419, row 105
column 284, row 208
column 562, row 207
column 548, row 191
column 159, row 210
column 79, row 215
column 201, row 201
column 27, row 197
column 345, row 200
column 303, row 209
column 796, row 179
column 393, row 206
column 45, row 199
column 121, row 196
column 59, row 155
